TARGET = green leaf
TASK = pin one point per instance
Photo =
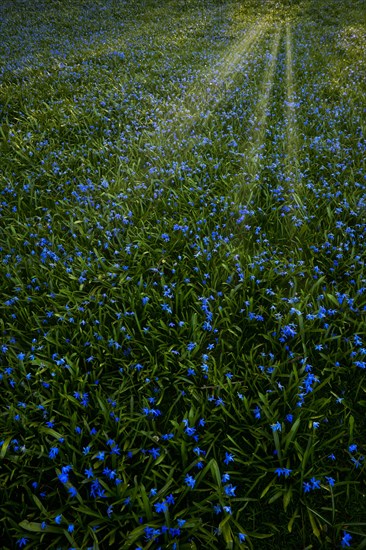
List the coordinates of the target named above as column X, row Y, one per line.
column 5, row 446
column 292, row 433
column 227, row 534
column 137, row 533
column 39, row 504
column 292, row 521
column 351, row 422
column 275, row 497
column 215, row 471
column 146, row 502
column 287, row 498
column 266, row 489
column 314, row 526
column 36, row 527
column 50, row 431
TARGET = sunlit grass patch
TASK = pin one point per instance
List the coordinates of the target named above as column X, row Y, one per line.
column 261, row 114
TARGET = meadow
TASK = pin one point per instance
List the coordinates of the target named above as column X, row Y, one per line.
column 183, row 291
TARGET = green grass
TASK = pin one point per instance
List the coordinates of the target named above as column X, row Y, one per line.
column 182, row 248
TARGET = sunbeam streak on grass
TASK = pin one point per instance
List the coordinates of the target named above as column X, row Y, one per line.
column 204, row 97
column 292, row 141
column 231, row 60
column 256, row 141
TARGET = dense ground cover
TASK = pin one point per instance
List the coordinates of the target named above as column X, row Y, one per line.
column 183, row 294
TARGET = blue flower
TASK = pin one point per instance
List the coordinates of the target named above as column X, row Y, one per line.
column 358, row 462
column 151, row 533
column 53, row 452
column 190, row 481
column 230, row 490
column 232, row 143
column 170, row 499
column 228, row 458
column 257, row 413
column 110, row 474
column 276, row 427
column 58, row 519
column 283, row 472
column 72, row 491
column 199, row 451
column 346, row 539
column 155, row 452
column 288, row 332
column 315, row 483
column 96, row 490
column 161, row 507
column 21, row 542
column 64, row 478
